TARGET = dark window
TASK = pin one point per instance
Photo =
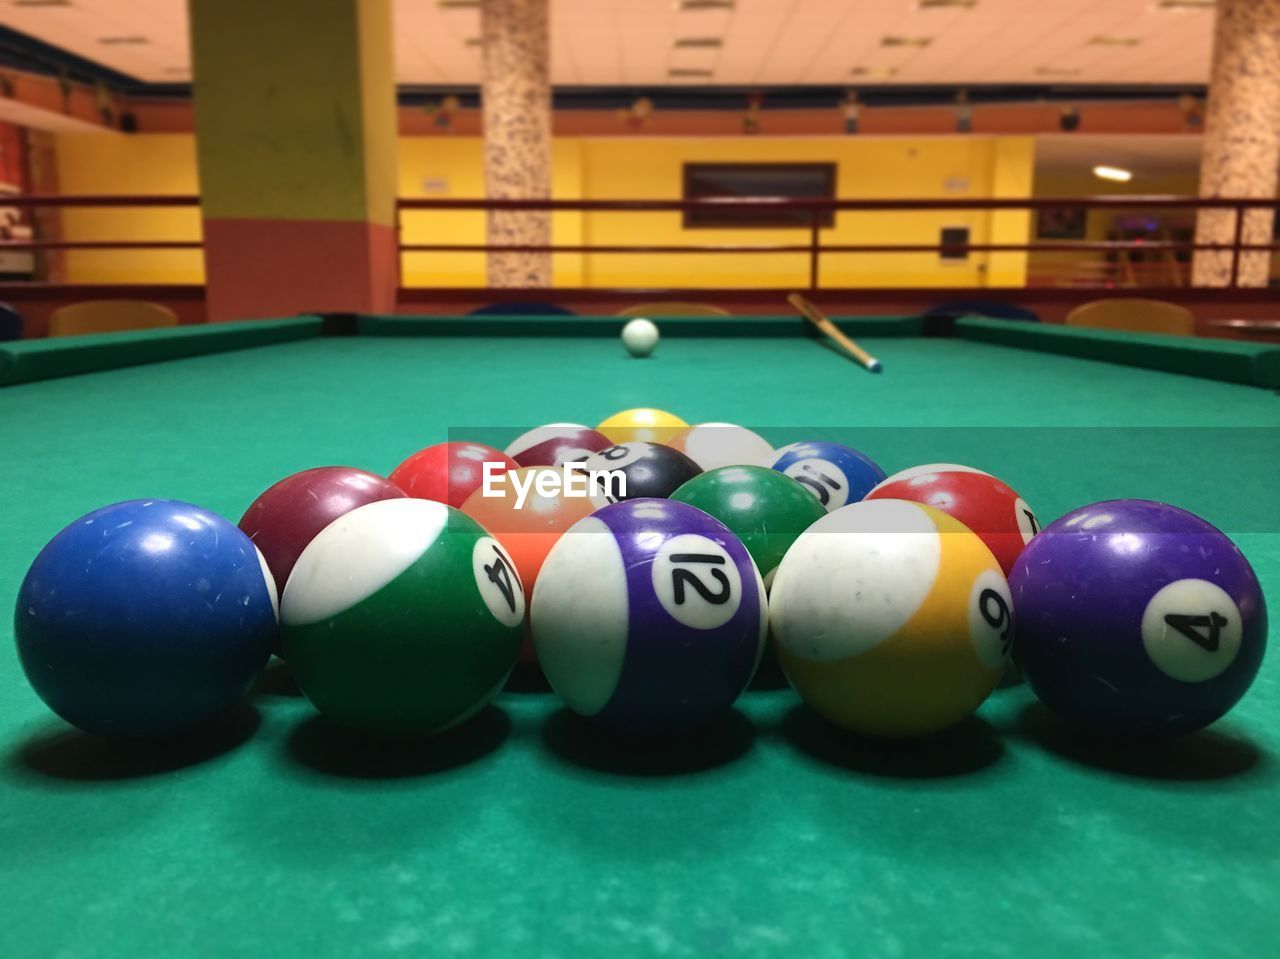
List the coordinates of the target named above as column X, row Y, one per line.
column 790, row 180
column 1061, row 223
column 953, row 240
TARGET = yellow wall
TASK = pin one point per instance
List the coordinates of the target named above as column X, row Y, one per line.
column 1012, row 170
column 866, row 168
column 152, row 164
column 631, row 168
column 295, row 131
column 449, row 168
column 622, row 168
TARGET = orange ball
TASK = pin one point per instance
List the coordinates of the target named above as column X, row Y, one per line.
column 528, row 528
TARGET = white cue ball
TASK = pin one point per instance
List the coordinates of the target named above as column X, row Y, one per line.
column 640, row 337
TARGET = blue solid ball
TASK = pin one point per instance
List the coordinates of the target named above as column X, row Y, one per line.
column 145, row 618
column 837, row 475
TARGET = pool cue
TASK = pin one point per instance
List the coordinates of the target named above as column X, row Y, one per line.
column 820, row 320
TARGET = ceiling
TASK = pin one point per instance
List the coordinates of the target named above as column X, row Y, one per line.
column 761, row 42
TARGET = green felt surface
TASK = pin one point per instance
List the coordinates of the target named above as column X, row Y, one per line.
column 521, row 834
column 1231, row 360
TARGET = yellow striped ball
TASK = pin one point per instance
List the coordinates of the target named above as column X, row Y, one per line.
column 891, row 618
column 643, row 423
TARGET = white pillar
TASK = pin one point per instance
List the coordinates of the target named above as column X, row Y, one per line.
column 1241, row 153
column 516, row 99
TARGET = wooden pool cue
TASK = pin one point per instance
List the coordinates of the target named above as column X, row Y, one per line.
column 820, row 320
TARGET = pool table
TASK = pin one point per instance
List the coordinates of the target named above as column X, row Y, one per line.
column 524, row 833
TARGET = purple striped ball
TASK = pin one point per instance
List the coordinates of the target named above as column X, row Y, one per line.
column 649, row 617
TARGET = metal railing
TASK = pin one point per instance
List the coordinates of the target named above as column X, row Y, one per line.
column 814, row 210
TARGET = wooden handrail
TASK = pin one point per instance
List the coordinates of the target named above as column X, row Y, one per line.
column 810, row 223
column 1154, row 201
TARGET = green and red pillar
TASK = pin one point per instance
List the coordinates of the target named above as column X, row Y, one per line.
column 296, row 134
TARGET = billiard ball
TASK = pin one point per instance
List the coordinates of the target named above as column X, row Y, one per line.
column 402, row 618
column 448, row 472
column 284, row 519
column 1137, row 619
column 649, row 617
column 651, row 470
column 1001, row 518
column 555, row 444
column 644, row 423
column 721, row 444
column 640, row 336
column 837, row 475
column 762, row 507
column 528, row 528
column 891, row 618
column 145, row 618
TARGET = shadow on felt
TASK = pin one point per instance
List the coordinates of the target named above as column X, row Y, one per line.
column 323, row 746
column 67, row 753
column 970, row 746
column 276, row 680
column 769, row 675
column 580, row 742
column 527, row 677
column 1210, row 754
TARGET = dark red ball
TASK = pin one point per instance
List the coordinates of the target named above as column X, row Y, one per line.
column 284, row 519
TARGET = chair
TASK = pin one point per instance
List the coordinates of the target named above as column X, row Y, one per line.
column 990, row 308
column 109, row 316
column 10, row 323
column 673, row 309
column 521, row 309
column 1135, row 315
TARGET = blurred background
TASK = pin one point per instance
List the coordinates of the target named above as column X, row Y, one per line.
column 187, row 117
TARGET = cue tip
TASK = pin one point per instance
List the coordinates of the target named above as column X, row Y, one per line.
column 823, row 322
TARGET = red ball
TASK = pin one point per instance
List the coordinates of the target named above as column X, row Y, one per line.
column 1001, row 518
column 284, row 519
column 556, row 444
column 448, row 472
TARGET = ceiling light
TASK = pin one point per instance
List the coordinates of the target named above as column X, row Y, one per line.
column 946, row 4
column 704, row 4
column 1185, row 6
column 905, row 41
column 123, row 41
column 458, row 4
column 698, row 43
column 689, row 73
column 1118, row 174
column 882, row 72
column 1105, row 41
column 41, row 3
